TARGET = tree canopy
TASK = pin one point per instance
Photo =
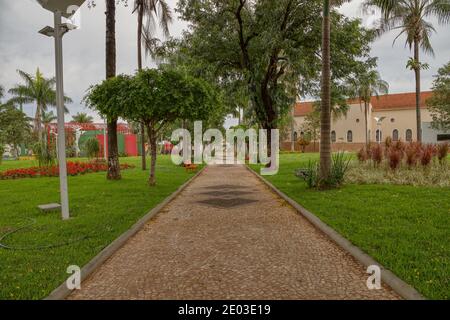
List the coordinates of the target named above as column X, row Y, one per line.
column 439, row 103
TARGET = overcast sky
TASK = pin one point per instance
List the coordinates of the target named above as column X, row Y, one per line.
column 21, row 47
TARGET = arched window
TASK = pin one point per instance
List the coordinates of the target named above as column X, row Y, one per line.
column 349, row 136
column 302, row 134
column 333, row 136
column 295, row 136
column 378, row 135
column 395, row 135
column 409, row 135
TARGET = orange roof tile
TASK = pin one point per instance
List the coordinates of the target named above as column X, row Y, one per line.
column 398, row 101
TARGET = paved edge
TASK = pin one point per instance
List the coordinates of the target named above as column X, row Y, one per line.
column 62, row 292
column 398, row 285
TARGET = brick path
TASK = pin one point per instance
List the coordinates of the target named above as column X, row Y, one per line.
column 227, row 236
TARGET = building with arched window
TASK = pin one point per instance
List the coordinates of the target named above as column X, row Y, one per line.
column 392, row 115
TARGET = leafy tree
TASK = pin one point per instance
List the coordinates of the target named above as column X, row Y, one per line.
column 311, row 127
column 364, row 87
column 82, row 117
column 152, row 11
column 14, row 126
column 439, row 103
column 2, row 91
column 273, row 46
column 155, row 97
column 410, row 17
column 36, row 89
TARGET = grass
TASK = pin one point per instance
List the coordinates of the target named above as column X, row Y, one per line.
column 101, row 210
column 405, row 228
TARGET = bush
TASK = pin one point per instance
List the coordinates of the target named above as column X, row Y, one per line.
column 310, row 174
column 44, row 154
column 411, row 153
column 427, row 154
column 377, row 154
column 363, row 155
column 442, row 152
column 395, row 158
column 2, row 151
column 91, row 148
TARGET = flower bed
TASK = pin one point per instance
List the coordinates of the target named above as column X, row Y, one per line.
column 73, row 169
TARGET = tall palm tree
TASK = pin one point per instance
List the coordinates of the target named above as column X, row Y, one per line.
column 82, row 117
column 325, row 114
column 152, row 11
column 48, row 117
column 410, row 18
column 36, row 89
column 364, row 88
column 110, row 61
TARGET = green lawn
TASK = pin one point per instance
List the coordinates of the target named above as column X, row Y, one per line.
column 101, row 210
column 405, row 228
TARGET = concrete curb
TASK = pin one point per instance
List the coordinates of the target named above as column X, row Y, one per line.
column 62, row 292
column 399, row 286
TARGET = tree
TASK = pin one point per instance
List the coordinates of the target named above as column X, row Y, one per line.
column 364, row 87
column 326, row 91
column 410, row 17
column 439, row 103
column 311, row 127
column 113, row 148
column 14, row 126
column 36, row 89
column 274, row 46
column 2, row 91
column 82, row 117
column 155, row 97
column 152, row 11
column 48, row 117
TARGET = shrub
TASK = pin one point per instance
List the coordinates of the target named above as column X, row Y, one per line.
column 427, row 154
column 44, row 154
column 2, row 151
column 363, row 155
column 442, row 152
column 395, row 158
column 339, row 168
column 377, row 154
column 91, row 148
column 411, row 155
column 310, row 174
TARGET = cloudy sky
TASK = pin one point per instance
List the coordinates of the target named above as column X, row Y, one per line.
column 21, row 47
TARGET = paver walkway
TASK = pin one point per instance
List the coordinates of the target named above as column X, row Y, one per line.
column 227, row 236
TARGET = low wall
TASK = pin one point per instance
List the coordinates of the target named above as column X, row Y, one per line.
column 338, row 146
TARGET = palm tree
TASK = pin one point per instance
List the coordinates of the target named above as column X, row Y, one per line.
column 82, row 117
column 48, row 117
column 36, row 89
column 325, row 115
column 110, row 61
column 151, row 10
column 364, row 88
column 409, row 17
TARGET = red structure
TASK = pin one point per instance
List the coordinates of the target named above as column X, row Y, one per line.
column 127, row 140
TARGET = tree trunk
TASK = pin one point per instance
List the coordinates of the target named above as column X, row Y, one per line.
column 325, row 115
column 113, row 151
column 139, row 58
column 418, row 93
column 366, row 123
column 152, row 142
column 37, row 122
column 113, row 154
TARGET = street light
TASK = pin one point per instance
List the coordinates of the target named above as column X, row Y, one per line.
column 60, row 8
column 379, row 120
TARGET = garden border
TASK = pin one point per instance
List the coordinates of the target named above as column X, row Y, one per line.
column 62, row 292
column 399, row 286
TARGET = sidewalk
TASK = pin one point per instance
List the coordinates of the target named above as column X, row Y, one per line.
column 227, row 236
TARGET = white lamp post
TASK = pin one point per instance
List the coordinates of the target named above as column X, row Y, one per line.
column 60, row 8
column 379, row 120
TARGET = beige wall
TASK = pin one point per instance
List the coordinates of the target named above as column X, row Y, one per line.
column 354, row 121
